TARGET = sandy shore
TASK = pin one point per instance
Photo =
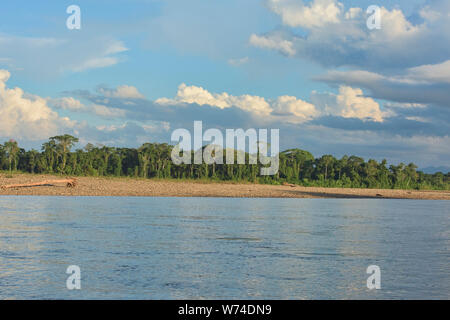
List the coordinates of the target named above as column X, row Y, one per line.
column 89, row 186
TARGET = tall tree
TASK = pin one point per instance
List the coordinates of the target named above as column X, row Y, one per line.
column 145, row 156
column 64, row 144
column 50, row 151
column 12, row 150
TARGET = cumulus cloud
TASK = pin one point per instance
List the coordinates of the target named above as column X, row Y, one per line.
column 394, row 63
column 334, row 36
column 349, row 103
column 353, row 104
column 294, row 110
column 188, row 106
column 317, row 13
column 284, row 108
column 25, row 116
column 31, row 119
column 200, row 96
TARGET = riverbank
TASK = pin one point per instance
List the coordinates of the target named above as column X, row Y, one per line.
column 92, row 186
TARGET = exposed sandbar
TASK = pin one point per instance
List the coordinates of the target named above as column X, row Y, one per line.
column 92, row 186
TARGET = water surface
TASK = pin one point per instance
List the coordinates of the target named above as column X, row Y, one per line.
column 217, row 248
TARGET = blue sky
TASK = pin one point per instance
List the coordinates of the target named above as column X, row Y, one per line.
column 138, row 69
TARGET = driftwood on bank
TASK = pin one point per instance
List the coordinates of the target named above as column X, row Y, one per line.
column 70, row 183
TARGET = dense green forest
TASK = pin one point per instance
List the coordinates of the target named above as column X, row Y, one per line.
column 153, row 160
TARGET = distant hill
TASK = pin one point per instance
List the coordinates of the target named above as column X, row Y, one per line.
column 432, row 170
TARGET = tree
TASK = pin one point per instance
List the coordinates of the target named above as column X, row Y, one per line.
column 383, row 175
column 341, row 164
column 50, row 152
column 411, row 174
column 296, row 163
column 107, row 152
column 12, row 149
column 32, row 157
column 64, row 143
column 399, row 176
column 324, row 163
column 144, row 154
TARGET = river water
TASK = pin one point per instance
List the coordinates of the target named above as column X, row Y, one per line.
column 222, row 248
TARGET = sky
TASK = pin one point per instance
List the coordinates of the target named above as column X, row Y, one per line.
column 137, row 70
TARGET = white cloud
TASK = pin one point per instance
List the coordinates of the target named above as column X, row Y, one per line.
column 317, row 13
column 58, row 55
column 353, row 13
column 238, row 62
column 94, row 63
column 108, row 112
column 405, row 105
column 122, row 92
column 437, row 73
column 349, row 103
column 335, row 37
column 103, row 57
column 24, row 116
column 296, row 110
column 418, row 119
column 67, row 103
column 274, row 41
column 424, row 84
column 200, row 96
column 74, row 105
column 354, row 105
column 395, row 26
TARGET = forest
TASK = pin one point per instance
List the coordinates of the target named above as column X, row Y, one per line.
column 153, row 160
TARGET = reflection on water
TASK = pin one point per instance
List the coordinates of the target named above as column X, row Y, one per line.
column 164, row 248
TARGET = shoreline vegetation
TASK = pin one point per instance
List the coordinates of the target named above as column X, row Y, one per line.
column 141, row 187
column 151, row 164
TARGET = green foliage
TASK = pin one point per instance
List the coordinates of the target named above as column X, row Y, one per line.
column 153, row 160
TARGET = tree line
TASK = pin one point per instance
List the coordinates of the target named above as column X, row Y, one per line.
column 153, row 160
